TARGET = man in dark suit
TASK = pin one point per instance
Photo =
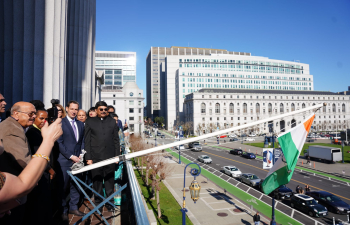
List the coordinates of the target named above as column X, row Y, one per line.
column 2, row 105
column 70, row 145
column 101, row 143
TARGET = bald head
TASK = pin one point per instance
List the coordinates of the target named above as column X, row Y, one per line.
column 24, row 113
column 82, row 116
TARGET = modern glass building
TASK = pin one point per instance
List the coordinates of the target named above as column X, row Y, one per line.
column 118, row 67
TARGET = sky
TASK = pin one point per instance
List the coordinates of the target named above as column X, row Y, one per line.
column 315, row 32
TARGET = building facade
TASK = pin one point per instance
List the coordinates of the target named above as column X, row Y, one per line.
column 128, row 104
column 206, row 110
column 156, row 56
column 118, row 67
column 184, row 74
column 47, row 51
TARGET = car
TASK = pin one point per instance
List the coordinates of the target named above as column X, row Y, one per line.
column 232, row 171
column 195, row 146
column 248, row 155
column 150, row 135
column 159, row 134
column 310, row 140
column 223, row 136
column 162, row 136
column 282, row 192
column 308, row 205
column 232, row 136
column 181, row 147
column 250, row 179
column 234, row 139
column 204, row 159
column 330, row 201
column 249, row 139
column 236, row 151
column 243, row 135
column 252, row 135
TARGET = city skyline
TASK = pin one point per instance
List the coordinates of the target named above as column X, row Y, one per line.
column 315, row 33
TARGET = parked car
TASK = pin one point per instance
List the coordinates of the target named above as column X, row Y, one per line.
column 310, row 140
column 243, row 135
column 159, row 134
column 252, row 135
column 236, row 151
column 162, row 136
column 249, row 139
column 181, row 147
column 232, row 171
column 308, row 205
column 234, row 139
column 205, row 159
column 250, row 179
column 232, row 136
column 282, row 192
column 223, row 136
column 330, row 201
column 195, row 146
column 248, row 155
column 150, row 135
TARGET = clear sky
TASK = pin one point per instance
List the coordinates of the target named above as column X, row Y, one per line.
column 316, row 32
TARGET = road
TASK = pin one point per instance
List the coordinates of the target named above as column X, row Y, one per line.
column 222, row 158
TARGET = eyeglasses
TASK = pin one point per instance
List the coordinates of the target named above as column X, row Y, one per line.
column 2, row 100
column 103, row 109
column 30, row 114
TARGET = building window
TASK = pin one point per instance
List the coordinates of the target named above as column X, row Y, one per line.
column 343, row 108
column 217, row 118
column 244, row 107
column 217, row 108
column 245, row 118
column 217, row 96
column 210, row 111
column 293, row 107
column 131, row 118
column 131, row 110
column 113, row 102
column 251, row 118
column 224, row 118
column 203, row 108
column 231, row 108
column 270, row 108
column 303, row 106
column 231, row 118
column 131, row 102
column 209, row 96
column 237, row 118
column 139, row 110
column 203, row 119
column 202, row 96
column 139, row 102
column 281, row 108
column 210, row 119
column 257, row 108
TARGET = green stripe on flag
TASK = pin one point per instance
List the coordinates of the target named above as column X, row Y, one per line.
column 276, row 179
column 290, row 151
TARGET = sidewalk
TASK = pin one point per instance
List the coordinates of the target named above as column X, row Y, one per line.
column 335, row 169
column 213, row 206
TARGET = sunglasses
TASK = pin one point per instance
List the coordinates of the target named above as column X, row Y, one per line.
column 103, row 109
column 2, row 100
column 30, row 114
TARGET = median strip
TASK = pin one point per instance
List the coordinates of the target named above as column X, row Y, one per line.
column 262, row 207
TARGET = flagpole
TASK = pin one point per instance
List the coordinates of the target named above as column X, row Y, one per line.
column 273, row 222
column 186, row 141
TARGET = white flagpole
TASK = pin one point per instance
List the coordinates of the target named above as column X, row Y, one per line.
column 217, row 133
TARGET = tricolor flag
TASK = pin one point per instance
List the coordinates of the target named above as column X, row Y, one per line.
column 291, row 143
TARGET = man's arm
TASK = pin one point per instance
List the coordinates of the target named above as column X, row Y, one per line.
column 87, row 140
column 116, row 139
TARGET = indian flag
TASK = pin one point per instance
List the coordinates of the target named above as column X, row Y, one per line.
column 292, row 143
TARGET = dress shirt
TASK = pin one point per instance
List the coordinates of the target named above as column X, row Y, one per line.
column 76, row 128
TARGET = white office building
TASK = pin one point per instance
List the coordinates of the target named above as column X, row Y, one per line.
column 207, row 109
column 128, row 104
column 185, row 74
column 118, row 67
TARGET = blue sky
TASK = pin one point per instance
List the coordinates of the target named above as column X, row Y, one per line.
column 315, row 32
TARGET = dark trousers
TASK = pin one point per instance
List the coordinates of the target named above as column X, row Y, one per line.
column 16, row 217
column 65, row 182
column 103, row 174
column 39, row 202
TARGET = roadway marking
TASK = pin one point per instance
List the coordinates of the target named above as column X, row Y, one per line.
column 268, row 171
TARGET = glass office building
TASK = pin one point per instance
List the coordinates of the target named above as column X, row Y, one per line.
column 118, row 67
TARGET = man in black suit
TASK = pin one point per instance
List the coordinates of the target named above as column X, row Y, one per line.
column 101, row 143
column 70, row 145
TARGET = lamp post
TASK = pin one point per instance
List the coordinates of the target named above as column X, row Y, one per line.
column 273, row 222
column 156, row 133
column 178, row 134
column 195, row 189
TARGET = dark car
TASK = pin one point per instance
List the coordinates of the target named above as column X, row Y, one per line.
column 282, row 192
column 244, row 135
column 310, row 140
column 308, row 205
column 248, row 155
column 234, row 139
column 162, row 136
column 332, row 202
column 236, row 151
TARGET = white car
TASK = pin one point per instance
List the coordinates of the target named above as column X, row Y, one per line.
column 150, row 135
column 182, row 147
column 249, row 139
column 252, row 135
column 205, row 159
column 232, row 136
column 232, row 171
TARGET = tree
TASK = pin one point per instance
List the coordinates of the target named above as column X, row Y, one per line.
column 160, row 170
column 199, row 128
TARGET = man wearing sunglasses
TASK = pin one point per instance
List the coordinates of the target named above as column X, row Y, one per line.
column 17, row 154
column 101, row 143
column 2, row 105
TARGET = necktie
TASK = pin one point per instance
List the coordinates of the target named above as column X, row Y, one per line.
column 75, row 130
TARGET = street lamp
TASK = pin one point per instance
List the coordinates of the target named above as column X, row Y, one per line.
column 273, row 222
column 194, row 187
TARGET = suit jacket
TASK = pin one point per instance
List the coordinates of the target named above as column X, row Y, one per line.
column 101, row 139
column 17, row 154
column 68, row 145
